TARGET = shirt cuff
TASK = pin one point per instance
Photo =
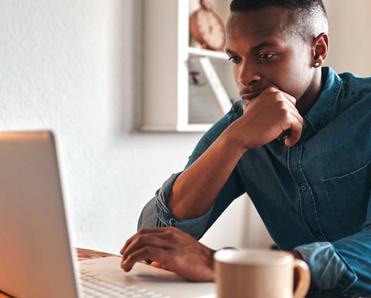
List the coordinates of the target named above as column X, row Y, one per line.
column 328, row 269
column 194, row 226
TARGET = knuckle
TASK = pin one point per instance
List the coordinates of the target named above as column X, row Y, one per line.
column 133, row 244
column 170, row 234
column 146, row 250
column 277, row 98
column 287, row 114
column 292, row 98
column 142, row 231
column 281, row 97
column 140, row 239
column 171, row 230
column 271, row 90
column 129, row 258
column 282, row 105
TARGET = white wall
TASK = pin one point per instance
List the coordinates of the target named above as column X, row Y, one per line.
column 74, row 66
column 350, row 38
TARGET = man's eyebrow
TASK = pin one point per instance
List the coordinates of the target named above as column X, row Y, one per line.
column 255, row 48
column 263, row 45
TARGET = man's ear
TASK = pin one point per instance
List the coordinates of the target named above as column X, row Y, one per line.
column 319, row 50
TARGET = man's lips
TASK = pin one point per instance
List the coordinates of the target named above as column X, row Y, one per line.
column 250, row 95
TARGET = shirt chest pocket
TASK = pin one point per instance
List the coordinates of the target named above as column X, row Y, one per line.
column 349, row 195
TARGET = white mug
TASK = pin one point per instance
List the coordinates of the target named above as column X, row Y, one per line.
column 259, row 274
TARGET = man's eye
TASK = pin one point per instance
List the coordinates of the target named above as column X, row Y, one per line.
column 266, row 56
column 234, row 59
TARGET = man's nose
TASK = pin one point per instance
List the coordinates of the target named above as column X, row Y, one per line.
column 247, row 76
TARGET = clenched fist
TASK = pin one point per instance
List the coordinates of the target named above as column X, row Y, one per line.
column 265, row 118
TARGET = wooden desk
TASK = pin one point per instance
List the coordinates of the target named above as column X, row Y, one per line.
column 82, row 254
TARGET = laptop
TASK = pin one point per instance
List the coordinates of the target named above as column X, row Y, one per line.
column 36, row 258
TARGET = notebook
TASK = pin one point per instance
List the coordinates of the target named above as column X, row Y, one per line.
column 36, row 258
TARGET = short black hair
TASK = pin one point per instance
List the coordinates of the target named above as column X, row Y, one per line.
column 311, row 14
column 243, row 5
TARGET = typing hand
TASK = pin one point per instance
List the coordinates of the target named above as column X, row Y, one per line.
column 173, row 249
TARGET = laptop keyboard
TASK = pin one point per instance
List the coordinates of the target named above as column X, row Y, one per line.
column 94, row 286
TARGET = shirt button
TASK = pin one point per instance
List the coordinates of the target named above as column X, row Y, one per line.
column 303, row 188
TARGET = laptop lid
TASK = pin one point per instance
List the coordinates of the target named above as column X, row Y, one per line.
column 36, row 259
column 35, row 253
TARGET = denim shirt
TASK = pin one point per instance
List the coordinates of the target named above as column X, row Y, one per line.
column 313, row 197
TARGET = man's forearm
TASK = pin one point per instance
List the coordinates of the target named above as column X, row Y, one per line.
column 264, row 119
column 195, row 190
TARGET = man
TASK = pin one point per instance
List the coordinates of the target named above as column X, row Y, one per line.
column 299, row 143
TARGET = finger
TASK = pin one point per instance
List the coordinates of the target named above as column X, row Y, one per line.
column 285, row 96
column 141, row 232
column 289, row 98
column 153, row 253
column 284, row 135
column 294, row 113
column 156, row 265
column 127, row 243
column 295, row 133
column 150, row 240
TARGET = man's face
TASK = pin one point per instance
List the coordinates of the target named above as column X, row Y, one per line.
column 266, row 52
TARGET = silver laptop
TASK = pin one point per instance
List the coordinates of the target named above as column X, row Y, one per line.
column 36, row 258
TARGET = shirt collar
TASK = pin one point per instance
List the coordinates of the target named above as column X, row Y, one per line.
column 320, row 113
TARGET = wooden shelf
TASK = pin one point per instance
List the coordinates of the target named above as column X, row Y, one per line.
column 197, row 52
column 171, row 102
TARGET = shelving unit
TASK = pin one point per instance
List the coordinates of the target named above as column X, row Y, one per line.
column 171, row 103
column 198, row 52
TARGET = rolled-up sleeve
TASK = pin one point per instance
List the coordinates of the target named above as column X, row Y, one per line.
column 156, row 213
column 329, row 271
column 343, row 266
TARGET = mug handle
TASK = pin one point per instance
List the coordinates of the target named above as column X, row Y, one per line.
column 303, row 284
